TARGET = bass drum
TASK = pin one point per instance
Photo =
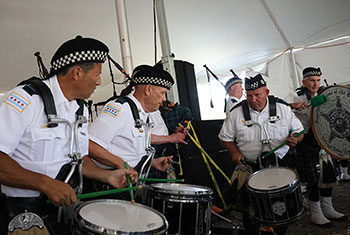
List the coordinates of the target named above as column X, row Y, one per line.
column 117, row 217
column 331, row 122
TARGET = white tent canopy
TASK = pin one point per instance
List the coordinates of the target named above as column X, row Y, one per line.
column 246, row 36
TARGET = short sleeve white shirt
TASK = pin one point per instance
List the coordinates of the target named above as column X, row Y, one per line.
column 158, row 127
column 26, row 138
column 114, row 129
column 303, row 115
column 248, row 139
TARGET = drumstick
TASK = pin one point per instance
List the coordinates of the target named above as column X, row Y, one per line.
column 103, row 193
column 173, row 162
column 281, row 145
column 160, row 180
column 129, row 183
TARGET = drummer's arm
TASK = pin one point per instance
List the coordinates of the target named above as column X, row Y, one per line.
column 100, row 154
column 293, row 141
column 14, row 175
column 116, row 178
column 235, row 154
column 298, row 106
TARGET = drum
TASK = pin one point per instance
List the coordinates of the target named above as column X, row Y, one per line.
column 275, row 196
column 186, row 207
column 117, row 217
column 331, row 122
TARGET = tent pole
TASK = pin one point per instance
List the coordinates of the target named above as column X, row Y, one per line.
column 124, row 35
column 167, row 57
column 295, row 78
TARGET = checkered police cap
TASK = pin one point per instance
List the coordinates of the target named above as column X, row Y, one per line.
column 231, row 82
column 254, row 83
column 311, row 71
column 77, row 51
column 144, row 74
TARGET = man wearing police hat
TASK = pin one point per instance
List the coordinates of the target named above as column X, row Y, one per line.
column 241, row 132
column 114, row 137
column 233, row 88
column 33, row 152
column 308, row 151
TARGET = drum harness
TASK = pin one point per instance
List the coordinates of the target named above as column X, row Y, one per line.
column 264, row 135
column 36, row 86
column 146, row 160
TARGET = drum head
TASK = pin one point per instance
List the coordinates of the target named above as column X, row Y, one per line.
column 272, row 178
column 331, row 122
column 115, row 216
column 183, row 189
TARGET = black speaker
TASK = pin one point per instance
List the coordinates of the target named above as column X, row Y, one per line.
column 207, row 132
column 196, row 172
column 187, row 87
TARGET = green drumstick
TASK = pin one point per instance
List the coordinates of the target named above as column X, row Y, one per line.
column 281, row 145
column 103, row 193
column 129, row 183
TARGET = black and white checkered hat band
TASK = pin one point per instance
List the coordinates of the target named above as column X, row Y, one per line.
column 312, row 73
column 79, row 57
column 157, row 81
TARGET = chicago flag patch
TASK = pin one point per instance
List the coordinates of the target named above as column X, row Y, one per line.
column 111, row 110
column 17, row 101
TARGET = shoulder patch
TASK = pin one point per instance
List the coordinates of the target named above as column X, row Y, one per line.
column 112, row 110
column 17, row 101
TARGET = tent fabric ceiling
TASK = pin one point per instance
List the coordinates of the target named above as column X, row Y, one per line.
column 224, row 34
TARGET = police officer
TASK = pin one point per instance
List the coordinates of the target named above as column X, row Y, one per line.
column 114, row 137
column 31, row 152
column 243, row 141
column 234, row 89
column 320, row 201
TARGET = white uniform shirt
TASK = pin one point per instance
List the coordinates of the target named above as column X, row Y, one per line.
column 26, row 138
column 230, row 103
column 303, row 115
column 114, row 129
column 248, row 138
column 158, row 127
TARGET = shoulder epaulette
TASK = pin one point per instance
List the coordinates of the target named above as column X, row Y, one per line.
column 134, row 110
column 281, row 101
column 236, row 106
column 121, row 100
column 303, row 90
column 36, row 86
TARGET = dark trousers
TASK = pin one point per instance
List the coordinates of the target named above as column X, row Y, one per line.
column 48, row 213
column 4, row 219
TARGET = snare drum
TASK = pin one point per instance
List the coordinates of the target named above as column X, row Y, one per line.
column 186, row 207
column 275, row 196
column 117, row 217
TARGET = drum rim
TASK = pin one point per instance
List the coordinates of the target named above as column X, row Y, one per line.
column 283, row 222
column 206, row 191
column 292, row 185
column 101, row 230
column 314, row 131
